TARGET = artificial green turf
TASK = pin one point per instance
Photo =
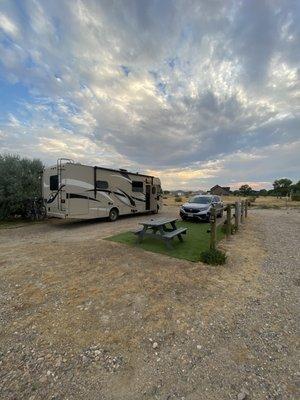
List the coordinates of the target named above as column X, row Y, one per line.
column 196, row 240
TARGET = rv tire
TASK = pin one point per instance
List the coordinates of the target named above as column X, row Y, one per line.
column 113, row 214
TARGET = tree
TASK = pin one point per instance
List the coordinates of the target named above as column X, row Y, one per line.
column 295, row 191
column 19, row 181
column 245, row 190
column 296, row 187
column 282, row 186
column 263, row 192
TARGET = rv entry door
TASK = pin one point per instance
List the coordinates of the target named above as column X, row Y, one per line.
column 148, row 197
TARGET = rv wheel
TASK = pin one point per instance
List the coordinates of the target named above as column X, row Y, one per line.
column 113, row 214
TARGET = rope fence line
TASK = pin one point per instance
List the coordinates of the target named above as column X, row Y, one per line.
column 232, row 220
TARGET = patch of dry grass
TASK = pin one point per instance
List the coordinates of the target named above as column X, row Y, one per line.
column 262, row 201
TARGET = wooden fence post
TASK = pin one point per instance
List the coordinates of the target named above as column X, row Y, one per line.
column 228, row 221
column 213, row 229
column 246, row 208
column 236, row 215
column 242, row 210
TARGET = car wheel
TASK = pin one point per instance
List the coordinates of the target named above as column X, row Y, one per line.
column 113, row 214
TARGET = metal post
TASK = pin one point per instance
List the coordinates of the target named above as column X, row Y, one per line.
column 213, row 229
column 228, row 221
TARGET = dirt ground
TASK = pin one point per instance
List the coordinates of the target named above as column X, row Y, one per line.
column 85, row 318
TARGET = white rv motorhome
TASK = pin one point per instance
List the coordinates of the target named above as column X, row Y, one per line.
column 72, row 190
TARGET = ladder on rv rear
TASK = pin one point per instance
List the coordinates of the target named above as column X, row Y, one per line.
column 60, row 168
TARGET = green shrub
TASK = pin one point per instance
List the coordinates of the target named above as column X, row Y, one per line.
column 19, row 181
column 213, row 257
column 295, row 197
column 178, row 199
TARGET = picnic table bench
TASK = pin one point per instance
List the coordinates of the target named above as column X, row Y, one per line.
column 164, row 229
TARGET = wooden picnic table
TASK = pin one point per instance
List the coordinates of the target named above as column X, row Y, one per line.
column 164, row 229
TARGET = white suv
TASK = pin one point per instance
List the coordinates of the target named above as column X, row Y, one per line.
column 199, row 207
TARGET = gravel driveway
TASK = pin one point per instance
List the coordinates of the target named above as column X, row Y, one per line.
column 92, row 319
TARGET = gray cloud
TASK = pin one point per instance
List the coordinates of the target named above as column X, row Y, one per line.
column 157, row 85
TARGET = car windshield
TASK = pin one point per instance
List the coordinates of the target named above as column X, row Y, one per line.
column 200, row 200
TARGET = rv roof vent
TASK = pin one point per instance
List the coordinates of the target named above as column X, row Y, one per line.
column 122, row 169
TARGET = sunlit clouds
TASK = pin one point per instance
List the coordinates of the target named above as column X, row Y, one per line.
column 197, row 92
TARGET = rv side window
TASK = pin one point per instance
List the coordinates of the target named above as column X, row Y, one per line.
column 54, row 182
column 153, row 189
column 137, row 186
column 101, row 184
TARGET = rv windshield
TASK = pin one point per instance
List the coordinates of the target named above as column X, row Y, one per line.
column 200, row 200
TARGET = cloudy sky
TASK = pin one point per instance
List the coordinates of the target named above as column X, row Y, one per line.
column 196, row 92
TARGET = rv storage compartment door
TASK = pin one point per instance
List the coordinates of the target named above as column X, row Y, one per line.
column 78, row 204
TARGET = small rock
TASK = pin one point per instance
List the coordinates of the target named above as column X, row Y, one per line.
column 242, row 395
column 58, row 362
column 155, row 345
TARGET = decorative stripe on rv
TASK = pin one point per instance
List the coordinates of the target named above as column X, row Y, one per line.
column 80, row 196
column 52, row 198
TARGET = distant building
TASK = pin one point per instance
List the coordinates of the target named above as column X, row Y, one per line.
column 220, row 190
column 178, row 192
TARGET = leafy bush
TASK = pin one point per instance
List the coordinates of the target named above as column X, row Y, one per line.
column 19, row 181
column 213, row 257
column 178, row 199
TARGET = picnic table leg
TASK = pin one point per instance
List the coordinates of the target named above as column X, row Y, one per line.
column 168, row 243
column 141, row 235
column 173, row 223
column 161, row 230
column 180, row 237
